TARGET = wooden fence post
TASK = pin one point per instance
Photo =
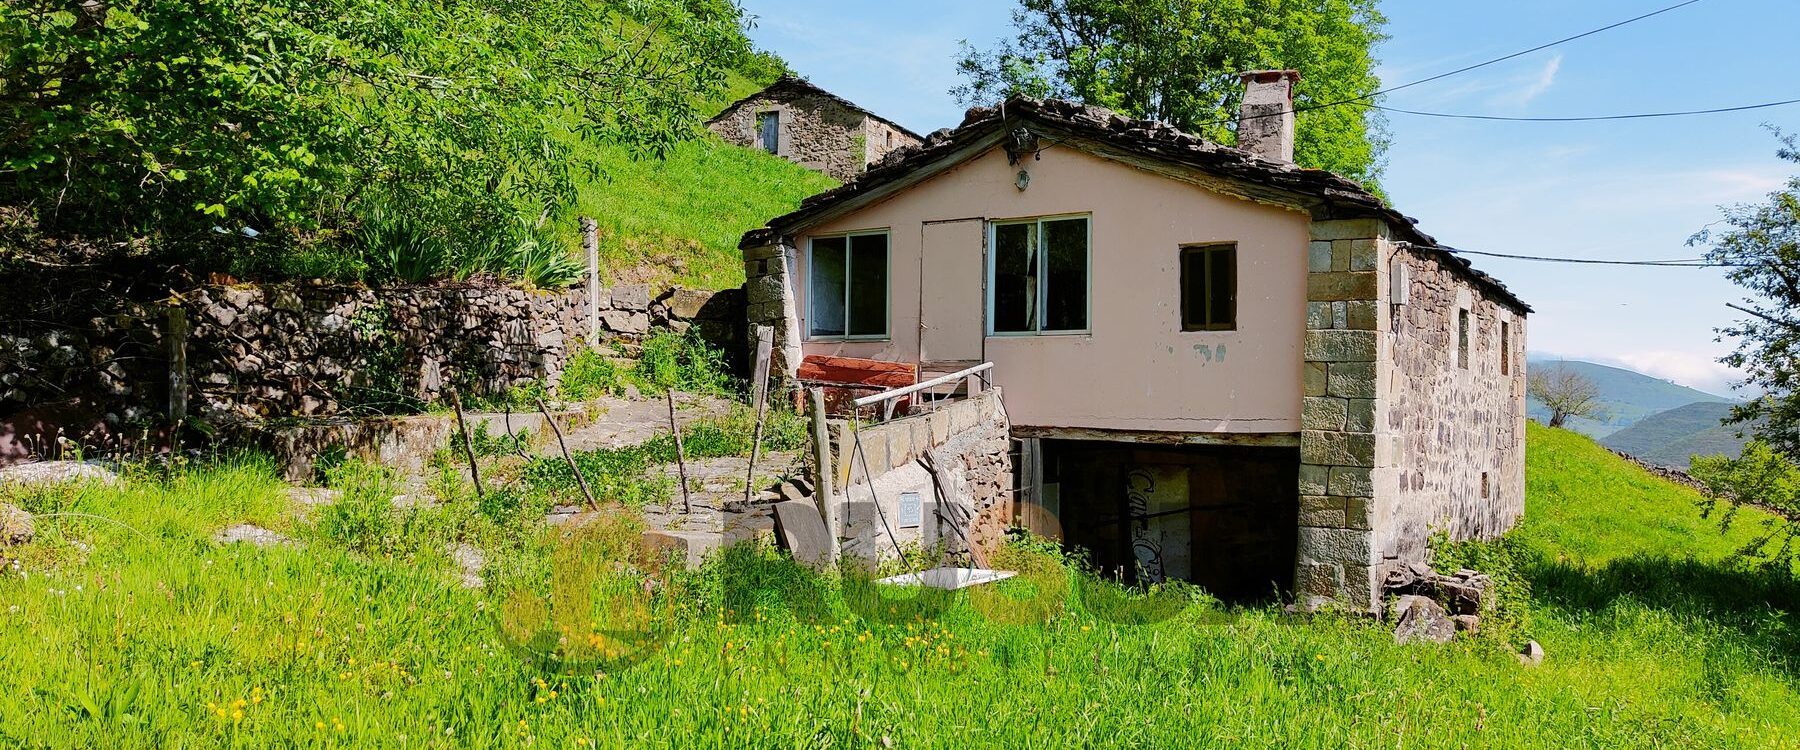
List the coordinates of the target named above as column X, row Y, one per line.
column 176, row 332
column 823, row 491
column 759, row 400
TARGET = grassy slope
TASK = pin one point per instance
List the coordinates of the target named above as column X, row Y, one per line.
column 1654, row 641
column 679, row 219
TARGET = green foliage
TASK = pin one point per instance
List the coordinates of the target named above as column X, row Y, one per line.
column 296, row 118
column 1508, row 561
column 591, row 374
column 615, row 475
column 686, row 211
column 683, row 362
column 1178, row 61
column 1762, row 478
column 363, row 518
column 1760, row 244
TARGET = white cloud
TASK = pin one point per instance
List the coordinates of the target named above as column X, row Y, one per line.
column 1537, row 85
column 1687, row 368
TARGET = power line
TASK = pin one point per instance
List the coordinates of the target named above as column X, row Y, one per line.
column 1676, row 263
column 1595, row 118
column 1477, row 66
column 1514, row 55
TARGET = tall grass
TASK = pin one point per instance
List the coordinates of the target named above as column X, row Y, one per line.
column 123, row 641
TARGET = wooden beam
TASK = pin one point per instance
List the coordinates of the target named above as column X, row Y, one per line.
column 1147, row 437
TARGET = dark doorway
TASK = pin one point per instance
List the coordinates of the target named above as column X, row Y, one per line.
column 1223, row 517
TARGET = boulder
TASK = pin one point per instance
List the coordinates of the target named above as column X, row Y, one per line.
column 15, row 526
column 686, row 304
column 251, row 534
column 1532, row 655
column 1421, row 620
column 45, row 473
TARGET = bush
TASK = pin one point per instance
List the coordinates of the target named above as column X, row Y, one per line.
column 363, row 518
column 302, row 120
column 683, row 362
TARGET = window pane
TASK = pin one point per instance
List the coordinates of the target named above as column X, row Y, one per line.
column 1015, row 278
column 1221, row 287
column 1193, row 288
column 1065, row 298
column 825, row 295
column 868, row 285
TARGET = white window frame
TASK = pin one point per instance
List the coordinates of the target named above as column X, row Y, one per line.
column 1043, row 278
column 887, row 310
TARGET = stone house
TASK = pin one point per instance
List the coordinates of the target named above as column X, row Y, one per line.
column 812, row 127
column 1216, row 365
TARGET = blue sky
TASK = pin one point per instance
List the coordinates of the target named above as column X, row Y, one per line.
column 1614, row 190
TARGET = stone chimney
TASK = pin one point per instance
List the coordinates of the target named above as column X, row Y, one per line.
column 1266, row 121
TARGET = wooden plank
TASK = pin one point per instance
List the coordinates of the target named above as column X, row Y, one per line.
column 858, row 372
column 1248, row 439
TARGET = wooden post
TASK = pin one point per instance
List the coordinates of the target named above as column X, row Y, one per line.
column 759, row 399
column 590, row 243
column 823, row 491
column 468, row 445
column 177, row 334
column 573, row 469
column 687, row 503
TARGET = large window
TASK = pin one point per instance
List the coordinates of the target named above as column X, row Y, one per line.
column 1038, row 282
column 847, row 293
column 1209, row 288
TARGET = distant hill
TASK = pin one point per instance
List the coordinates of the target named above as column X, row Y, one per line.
column 1672, row 437
column 1626, row 395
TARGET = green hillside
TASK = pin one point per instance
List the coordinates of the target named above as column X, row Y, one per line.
column 1626, row 395
column 1672, row 437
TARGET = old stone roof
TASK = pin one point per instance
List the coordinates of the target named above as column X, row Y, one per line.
column 1324, row 194
column 792, row 85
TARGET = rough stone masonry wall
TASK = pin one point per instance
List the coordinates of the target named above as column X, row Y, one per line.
column 817, row 132
column 956, row 457
column 1341, row 408
column 1454, row 429
column 1396, row 436
column 259, row 352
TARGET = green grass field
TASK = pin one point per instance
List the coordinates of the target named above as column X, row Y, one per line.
column 139, row 631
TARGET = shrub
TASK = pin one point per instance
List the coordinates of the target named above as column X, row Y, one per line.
column 681, row 361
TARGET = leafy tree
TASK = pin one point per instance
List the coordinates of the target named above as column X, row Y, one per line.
column 1760, row 244
column 1566, row 393
column 1178, row 61
column 297, row 118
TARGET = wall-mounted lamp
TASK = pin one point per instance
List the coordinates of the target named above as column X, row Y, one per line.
column 1022, row 181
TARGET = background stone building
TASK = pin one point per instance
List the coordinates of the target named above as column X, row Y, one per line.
column 811, row 127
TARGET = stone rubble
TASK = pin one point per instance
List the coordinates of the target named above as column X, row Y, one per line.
column 1461, row 598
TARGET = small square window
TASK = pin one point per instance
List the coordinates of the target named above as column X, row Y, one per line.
column 1209, row 288
column 1462, row 339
